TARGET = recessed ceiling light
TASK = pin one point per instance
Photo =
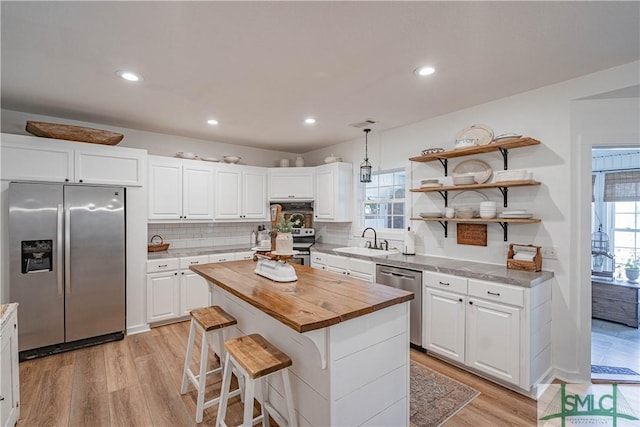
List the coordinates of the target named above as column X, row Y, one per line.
column 424, row 71
column 212, row 122
column 310, row 120
column 128, row 75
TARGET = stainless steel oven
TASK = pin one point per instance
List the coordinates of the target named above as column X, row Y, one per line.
column 303, row 238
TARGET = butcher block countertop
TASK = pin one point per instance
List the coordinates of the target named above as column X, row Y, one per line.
column 318, row 299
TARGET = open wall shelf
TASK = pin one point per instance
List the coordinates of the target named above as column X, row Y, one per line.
column 503, row 222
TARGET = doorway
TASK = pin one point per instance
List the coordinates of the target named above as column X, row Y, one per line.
column 615, row 242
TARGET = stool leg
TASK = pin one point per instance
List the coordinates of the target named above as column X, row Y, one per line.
column 265, row 397
column 249, row 389
column 288, row 395
column 221, row 347
column 187, row 360
column 224, row 392
column 202, row 379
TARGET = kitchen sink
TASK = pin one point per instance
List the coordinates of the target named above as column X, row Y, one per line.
column 356, row 250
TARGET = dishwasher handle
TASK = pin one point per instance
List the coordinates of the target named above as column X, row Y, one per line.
column 393, row 274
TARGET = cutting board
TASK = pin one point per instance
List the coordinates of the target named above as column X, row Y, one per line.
column 73, row 133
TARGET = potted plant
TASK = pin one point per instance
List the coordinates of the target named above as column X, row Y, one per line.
column 284, row 239
column 632, row 270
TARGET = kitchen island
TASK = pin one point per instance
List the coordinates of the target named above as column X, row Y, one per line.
column 348, row 340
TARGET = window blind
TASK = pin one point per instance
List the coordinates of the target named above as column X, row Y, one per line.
column 622, row 186
column 593, row 188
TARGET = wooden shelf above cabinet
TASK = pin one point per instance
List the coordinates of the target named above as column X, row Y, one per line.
column 502, row 222
column 502, row 184
column 482, row 220
column 505, row 145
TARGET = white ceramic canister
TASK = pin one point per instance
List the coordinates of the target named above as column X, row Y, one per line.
column 299, row 161
column 284, row 163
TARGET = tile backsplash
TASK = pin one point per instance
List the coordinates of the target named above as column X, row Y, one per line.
column 182, row 236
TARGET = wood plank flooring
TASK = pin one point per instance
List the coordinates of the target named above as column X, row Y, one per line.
column 136, row 382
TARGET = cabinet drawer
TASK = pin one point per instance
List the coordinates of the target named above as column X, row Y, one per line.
column 361, row 266
column 445, row 282
column 222, row 257
column 495, row 292
column 338, row 261
column 318, row 258
column 193, row 260
column 165, row 264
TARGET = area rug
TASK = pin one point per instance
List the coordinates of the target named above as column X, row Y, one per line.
column 435, row 397
column 612, row 370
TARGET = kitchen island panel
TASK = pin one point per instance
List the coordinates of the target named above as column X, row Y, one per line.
column 353, row 372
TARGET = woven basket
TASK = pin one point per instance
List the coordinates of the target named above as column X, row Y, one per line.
column 157, row 247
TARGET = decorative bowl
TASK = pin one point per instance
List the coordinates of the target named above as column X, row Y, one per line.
column 231, row 159
column 464, row 143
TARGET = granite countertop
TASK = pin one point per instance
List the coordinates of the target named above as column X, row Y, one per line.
column 6, row 310
column 616, row 282
column 318, row 299
column 470, row 269
column 186, row 252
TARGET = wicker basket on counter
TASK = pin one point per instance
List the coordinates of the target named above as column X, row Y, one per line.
column 157, row 247
column 515, row 264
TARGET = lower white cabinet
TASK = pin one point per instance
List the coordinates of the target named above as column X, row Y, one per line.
column 9, row 373
column 353, row 267
column 173, row 290
column 500, row 330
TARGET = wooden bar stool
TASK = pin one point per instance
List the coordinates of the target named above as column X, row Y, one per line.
column 210, row 321
column 256, row 359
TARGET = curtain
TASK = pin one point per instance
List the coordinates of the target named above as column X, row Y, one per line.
column 622, row 186
column 593, row 188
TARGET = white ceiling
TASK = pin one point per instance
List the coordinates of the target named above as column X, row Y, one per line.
column 261, row 67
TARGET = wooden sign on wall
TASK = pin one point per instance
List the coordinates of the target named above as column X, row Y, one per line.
column 472, row 234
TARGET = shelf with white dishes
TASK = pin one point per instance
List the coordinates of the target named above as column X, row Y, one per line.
column 503, row 186
column 504, row 147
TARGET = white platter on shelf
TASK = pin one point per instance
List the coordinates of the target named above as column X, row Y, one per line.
column 481, row 171
column 284, row 253
column 483, row 134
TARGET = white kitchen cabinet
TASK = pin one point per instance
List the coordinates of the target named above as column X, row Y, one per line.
column 500, row 330
column 180, row 189
column 444, row 313
column 352, row 267
column 243, row 256
column 318, row 260
column 240, row 193
column 29, row 158
column 333, row 192
column 493, row 339
column 223, row 257
column 9, row 371
column 291, row 183
column 194, row 289
column 163, row 289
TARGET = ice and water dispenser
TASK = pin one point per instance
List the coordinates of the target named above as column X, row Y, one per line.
column 37, row 255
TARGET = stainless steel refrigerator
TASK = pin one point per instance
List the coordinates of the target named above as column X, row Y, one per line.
column 67, row 265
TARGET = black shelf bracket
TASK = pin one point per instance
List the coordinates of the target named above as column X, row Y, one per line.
column 445, row 196
column 505, row 156
column 505, row 228
column 445, row 225
column 504, row 191
column 445, row 164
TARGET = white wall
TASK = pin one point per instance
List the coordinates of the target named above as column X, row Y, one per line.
column 544, row 114
column 155, row 143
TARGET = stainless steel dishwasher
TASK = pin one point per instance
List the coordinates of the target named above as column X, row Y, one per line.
column 408, row 280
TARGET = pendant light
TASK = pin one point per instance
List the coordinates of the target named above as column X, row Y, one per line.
column 365, row 167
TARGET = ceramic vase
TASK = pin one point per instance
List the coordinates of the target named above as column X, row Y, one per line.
column 632, row 274
column 284, row 243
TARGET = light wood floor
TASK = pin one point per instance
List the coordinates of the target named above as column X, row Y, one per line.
column 136, row 382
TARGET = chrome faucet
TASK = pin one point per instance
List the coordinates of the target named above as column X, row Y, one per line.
column 375, row 237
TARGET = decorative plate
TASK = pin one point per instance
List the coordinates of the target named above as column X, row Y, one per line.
column 468, row 199
column 506, row 136
column 209, row 159
column 480, row 170
column 483, row 134
column 436, row 214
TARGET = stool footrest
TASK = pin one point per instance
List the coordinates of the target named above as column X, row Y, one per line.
column 196, row 378
column 212, row 402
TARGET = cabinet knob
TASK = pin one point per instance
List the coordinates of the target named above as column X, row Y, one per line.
column 182, row 273
column 175, row 274
column 1, row 398
column 66, row 180
column 81, row 180
column 470, row 302
column 460, row 299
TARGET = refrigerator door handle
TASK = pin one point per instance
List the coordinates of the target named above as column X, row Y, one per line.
column 60, row 248
column 67, row 250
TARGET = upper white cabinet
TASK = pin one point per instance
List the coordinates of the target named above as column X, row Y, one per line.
column 291, row 183
column 29, row 158
column 180, row 189
column 240, row 193
column 333, row 192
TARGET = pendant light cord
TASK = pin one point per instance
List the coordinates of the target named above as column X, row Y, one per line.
column 366, row 144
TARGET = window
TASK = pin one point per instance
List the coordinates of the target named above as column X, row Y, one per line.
column 626, row 232
column 384, row 200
